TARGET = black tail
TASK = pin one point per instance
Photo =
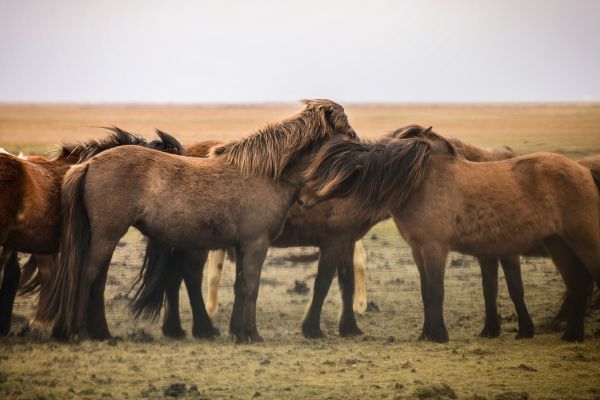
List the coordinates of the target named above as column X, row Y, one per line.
column 150, row 294
column 67, row 303
column 30, row 278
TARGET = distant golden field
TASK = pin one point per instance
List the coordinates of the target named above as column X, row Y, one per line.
column 572, row 129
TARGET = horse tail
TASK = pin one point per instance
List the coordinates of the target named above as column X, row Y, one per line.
column 66, row 293
column 149, row 297
column 30, row 279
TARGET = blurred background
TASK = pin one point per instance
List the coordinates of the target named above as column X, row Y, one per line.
column 155, row 51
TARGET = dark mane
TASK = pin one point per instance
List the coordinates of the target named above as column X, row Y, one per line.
column 118, row 137
column 378, row 173
column 268, row 151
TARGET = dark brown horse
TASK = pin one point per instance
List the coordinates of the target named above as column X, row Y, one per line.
column 442, row 202
column 239, row 198
column 30, row 212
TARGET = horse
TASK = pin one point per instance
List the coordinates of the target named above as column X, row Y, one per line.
column 440, row 202
column 30, row 212
column 239, row 198
column 319, row 226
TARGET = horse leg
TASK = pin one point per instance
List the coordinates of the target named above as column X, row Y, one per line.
column 576, row 279
column 171, row 321
column 514, row 282
column 97, row 326
column 192, row 274
column 345, row 269
column 489, row 280
column 311, row 326
column 8, row 290
column 235, row 323
column 92, row 291
column 46, row 266
column 216, row 259
column 360, row 271
column 424, row 296
column 434, row 263
column 253, row 255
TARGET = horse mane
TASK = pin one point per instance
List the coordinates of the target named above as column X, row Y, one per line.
column 117, row 137
column 468, row 151
column 268, row 151
column 379, row 173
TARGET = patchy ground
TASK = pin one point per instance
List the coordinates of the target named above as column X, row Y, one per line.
column 387, row 362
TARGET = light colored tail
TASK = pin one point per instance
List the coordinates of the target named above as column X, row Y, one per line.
column 360, row 285
column 214, row 263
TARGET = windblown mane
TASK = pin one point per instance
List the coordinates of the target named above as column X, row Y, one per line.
column 268, row 151
column 378, row 173
column 118, row 137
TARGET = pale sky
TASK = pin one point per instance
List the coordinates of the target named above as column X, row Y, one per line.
column 270, row 51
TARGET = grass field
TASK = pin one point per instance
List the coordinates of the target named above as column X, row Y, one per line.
column 388, row 361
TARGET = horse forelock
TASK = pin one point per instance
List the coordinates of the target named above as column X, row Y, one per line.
column 268, row 151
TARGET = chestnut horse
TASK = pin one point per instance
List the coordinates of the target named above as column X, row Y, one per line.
column 239, row 198
column 30, row 212
column 442, row 202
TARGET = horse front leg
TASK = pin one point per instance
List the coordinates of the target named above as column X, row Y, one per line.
column 9, row 263
column 253, row 255
column 192, row 274
column 434, row 263
column 416, row 252
column 216, row 259
column 360, row 278
column 514, row 282
column 489, row 280
column 346, row 281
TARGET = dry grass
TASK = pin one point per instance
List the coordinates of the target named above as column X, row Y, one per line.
column 386, row 363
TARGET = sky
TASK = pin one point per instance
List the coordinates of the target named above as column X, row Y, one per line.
column 158, row 51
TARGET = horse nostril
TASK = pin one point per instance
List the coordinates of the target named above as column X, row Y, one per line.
column 300, row 201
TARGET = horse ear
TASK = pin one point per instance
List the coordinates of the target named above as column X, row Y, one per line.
column 427, row 131
column 169, row 142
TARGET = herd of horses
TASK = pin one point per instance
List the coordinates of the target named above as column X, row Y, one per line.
column 308, row 180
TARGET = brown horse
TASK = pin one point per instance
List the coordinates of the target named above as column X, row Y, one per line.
column 442, row 202
column 30, row 212
column 329, row 227
column 239, row 198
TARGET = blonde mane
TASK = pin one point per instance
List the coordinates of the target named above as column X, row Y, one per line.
column 267, row 152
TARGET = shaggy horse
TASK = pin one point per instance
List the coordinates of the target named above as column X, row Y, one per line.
column 327, row 225
column 30, row 212
column 442, row 202
column 239, row 198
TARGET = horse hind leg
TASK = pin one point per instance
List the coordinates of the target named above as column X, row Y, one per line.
column 311, row 325
column 8, row 290
column 193, row 267
column 172, row 283
column 216, row 259
column 489, row 280
column 346, row 282
column 576, row 278
column 360, row 271
column 514, row 282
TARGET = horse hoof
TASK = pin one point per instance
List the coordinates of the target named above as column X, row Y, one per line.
column 211, row 310
column 312, row 332
column 209, row 333
column 440, row 336
column 526, row 333
column 360, row 307
column 4, row 329
column 255, row 338
column 350, row 331
column 174, row 333
column 572, row 337
column 488, row 332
